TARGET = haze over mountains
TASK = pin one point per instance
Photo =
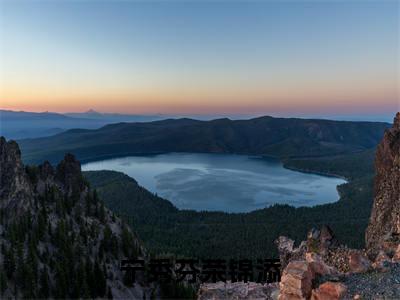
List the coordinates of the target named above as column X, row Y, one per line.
column 21, row 124
column 279, row 137
column 24, row 124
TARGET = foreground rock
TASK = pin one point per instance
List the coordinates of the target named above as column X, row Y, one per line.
column 296, row 281
column 359, row 263
column 329, row 291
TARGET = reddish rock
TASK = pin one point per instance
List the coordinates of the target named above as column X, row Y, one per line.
column 319, row 266
column 329, row 291
column 396, row 256
column 296, row 281
column 358, row 263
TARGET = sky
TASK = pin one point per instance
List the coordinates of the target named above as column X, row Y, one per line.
column 201, row 57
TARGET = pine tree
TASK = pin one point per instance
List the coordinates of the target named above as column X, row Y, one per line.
column 32, row 262
column 29, row 285
column 107, row 236
column 88, row 203
column 61, row 286
column 127, row 241
column 109, row 294
column 41, row 226
column 100, row 280
column 49, row 230
column 9, row 262
column 90, row 279
column 60, row 208
column 102, row 213
column 95, row 197
column 85, row 291
column 20, row 276
column 3, row 281
column 44, row 291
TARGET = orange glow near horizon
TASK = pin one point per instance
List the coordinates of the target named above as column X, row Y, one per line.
column 242, row 58
column 203, row 100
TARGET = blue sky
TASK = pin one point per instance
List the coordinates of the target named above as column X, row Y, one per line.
column 316, row 57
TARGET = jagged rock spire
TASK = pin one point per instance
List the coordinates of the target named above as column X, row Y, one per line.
column 12, row 174
column 69, row 174
column 384, row 226
column 15, row 188
column 396, row 122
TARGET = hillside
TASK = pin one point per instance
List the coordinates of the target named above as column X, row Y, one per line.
column 278, row 137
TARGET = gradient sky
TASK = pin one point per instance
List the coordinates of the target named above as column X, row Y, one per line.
column 200, row 57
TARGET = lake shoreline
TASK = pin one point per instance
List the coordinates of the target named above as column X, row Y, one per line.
column 227, row 182
column 283, row 161
column 308, row 171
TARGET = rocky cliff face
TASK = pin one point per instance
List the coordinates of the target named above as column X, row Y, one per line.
column 57, row 238
column 384, row 227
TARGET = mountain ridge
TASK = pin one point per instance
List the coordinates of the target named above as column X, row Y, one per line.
column 279, row 137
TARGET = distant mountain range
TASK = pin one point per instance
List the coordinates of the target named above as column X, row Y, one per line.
column 114, row 118
column 279, row 137
column 21, row 124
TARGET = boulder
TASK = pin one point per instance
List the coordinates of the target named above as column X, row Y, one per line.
column 318, row 265
column 382, row 262
column 358, row 262
column 329, row 291
column 396, row 256
column 296, row 281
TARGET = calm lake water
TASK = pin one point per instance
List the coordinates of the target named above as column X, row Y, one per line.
column 220, row 182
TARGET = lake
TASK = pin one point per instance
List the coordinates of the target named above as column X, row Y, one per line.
column 221, row 182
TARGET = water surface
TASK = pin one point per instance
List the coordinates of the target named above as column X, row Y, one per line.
column 221, row 182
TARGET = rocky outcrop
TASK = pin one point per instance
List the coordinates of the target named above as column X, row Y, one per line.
column 358, row 263
column 382, row 240
column 384, row 226
column 57, row 238
column 15, row 188
column 69, row 176
column 296, row 281
column 329, row 291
